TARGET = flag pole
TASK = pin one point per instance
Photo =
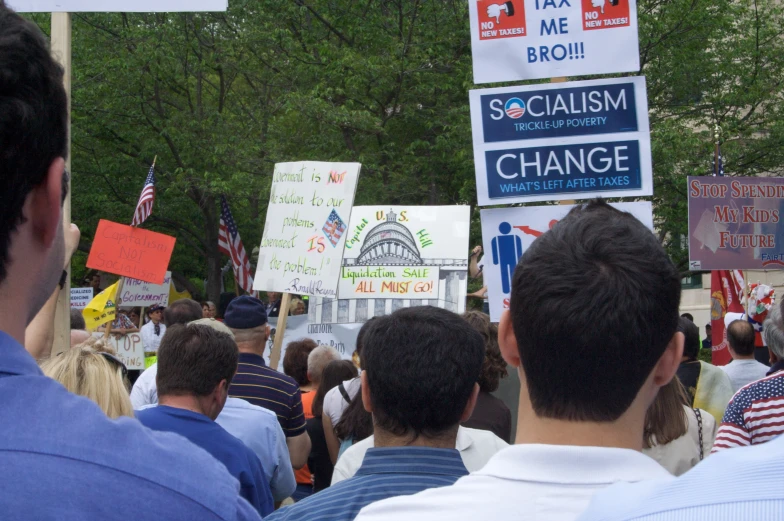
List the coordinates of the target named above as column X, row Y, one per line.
column 716, row 134
column 280, row 329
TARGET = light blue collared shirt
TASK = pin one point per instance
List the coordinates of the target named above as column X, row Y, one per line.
column 740, row 483
column 259, row 429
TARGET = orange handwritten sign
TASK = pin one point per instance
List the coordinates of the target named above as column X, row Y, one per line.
column 131, row 252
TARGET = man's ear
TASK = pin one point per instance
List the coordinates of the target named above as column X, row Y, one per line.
column 44, row 204
column 669, row 361
column 469, row 408
column 507, row 340
column 366, row 393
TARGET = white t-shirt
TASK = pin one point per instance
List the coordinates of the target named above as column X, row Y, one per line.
column 529, row 482
column 145, row 390
column 149, row 338
column 476, row 447
column 335, row 403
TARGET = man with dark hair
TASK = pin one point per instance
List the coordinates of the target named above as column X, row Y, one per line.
column 707, row 342
column 688, row 316
column 421, row 365
column 78, row 332
column 744, row 368
column 256, row 383
column 195, row 365
column 581, row 429
column 182, row 311
column 90, row 462
column 707, row 386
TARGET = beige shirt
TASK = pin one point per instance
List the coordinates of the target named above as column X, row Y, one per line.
column 682, row 454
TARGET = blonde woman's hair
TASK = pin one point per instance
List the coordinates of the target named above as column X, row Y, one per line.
column 83, row 370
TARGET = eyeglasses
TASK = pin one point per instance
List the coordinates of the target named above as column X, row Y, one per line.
column 115, row 361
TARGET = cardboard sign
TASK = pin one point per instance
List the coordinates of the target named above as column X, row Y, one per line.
column 735, row 223
column 399, row 252
column 342, row 337
column 129, row 349
column 508, row 232
column 306, row 227
column 114, row 6
column 559, row 141
column 80, row 297
column 131, row 252
column 137, row 293
column 530, row 39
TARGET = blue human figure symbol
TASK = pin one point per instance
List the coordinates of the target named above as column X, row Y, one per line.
column 507, row 249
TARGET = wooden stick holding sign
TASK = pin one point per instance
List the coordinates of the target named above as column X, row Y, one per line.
column 283, row 314
column 117, row 301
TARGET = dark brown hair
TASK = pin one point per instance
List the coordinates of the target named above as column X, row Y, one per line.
column 334, row 374
column 494, row 366
column 295, row 361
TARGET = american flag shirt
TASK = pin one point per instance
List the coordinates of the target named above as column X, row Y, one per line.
column 755, row 414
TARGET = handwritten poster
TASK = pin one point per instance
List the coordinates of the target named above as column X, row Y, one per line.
column 80, row 297
column 735, row 223
column 129, row 348
column 559, row 141
column 115, row 6
column 530, row 39
column 508, row 232
column 137, row 293
column 342, row 337
column 131, row 252
column 306, row 227
column 399, row 252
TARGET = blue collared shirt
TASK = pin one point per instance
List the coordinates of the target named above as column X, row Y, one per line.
column 62, row 458
column 741, row 483
column 240, row 461
column 258, row 428
column 385, row 472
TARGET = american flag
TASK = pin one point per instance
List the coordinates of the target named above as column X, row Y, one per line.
column 718, row 169
column 144, row 206
column 229, row 242
column 755, row 414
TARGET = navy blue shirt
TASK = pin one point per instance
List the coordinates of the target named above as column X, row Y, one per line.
column 63, row 459
column 265, row 387
column 385, row 472
column 240, row 461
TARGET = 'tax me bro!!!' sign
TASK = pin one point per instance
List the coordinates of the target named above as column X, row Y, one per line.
column 561, row 141
column 529, row 39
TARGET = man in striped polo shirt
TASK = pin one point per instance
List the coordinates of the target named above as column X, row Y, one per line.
column 756, row 412
column 421, row 366
column 256, row 383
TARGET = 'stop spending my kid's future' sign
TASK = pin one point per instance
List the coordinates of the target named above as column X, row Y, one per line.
column 572, row 140
column 116, row 6
column 530, row 39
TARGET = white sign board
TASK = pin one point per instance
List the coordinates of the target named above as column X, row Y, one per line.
column 508, row 232
column 115, row 6
column 306, row 227
column 137, row 293
column 399, row 252
column 129, row 349
column 342, row 337
column 558, row 141
column 80, row 297
column 516, row 40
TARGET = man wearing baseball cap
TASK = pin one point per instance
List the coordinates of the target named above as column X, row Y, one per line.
column 256, row 383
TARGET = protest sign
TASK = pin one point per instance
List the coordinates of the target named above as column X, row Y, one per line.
column 399, row 252
column 508, row 232
column 306, row 226
column 735, row 223
column 80, row 297
column 104, row 6
column 530, row 39
column 342, row 337
column 129, row 348
column 560, row 141
column 139, row 293
column 131, row 252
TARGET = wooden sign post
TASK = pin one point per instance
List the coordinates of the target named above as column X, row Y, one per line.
column 280, row 329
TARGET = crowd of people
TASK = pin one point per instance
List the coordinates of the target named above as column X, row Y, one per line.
column 617, row 418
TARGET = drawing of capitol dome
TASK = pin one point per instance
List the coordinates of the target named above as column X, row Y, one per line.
column 389, row 243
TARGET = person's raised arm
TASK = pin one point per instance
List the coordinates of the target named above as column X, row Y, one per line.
column 473, row 267
column 39, row 334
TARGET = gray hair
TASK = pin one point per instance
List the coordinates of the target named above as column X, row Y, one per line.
column 320, row 358
column 773, row 331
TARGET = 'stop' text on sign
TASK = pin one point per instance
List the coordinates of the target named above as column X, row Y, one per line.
column 530, row 39
column 131, row 252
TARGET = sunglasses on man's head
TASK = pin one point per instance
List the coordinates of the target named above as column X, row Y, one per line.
column 115, row 361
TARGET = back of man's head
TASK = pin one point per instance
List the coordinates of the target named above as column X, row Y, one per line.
column 594, row 304
column 33, row 130
column 421, row 364
column 773, row 330
column 320, row 358
column 740, row 335
column 77, row 319
column 691, row 337
column 182, row 311
column 193, row 359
